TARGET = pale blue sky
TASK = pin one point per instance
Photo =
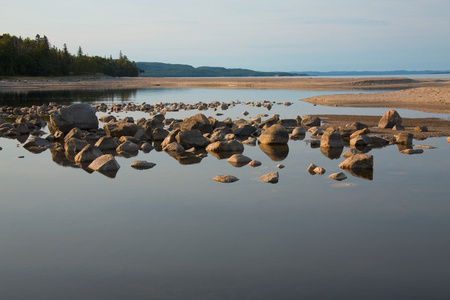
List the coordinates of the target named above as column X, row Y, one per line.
column 265, row 35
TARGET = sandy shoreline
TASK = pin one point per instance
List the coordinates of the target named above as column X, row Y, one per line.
column 429, row 95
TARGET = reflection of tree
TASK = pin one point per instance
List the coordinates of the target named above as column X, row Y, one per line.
column 19, row 99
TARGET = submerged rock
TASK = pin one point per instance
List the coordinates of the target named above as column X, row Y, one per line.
column 142, row 165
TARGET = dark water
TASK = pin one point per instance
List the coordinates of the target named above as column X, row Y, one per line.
column 171, row 232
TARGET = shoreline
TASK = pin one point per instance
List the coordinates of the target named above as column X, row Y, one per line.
column 428, row 95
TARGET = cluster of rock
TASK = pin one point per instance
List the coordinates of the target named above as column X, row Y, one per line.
column 76, row 139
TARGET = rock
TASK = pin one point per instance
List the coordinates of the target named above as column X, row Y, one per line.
column 319, row 170
column 448, row 139
column 80, row 115
column 425, row 146
column 331, row 138
column 412, row 151
column 298, row 131
column 105, row 164
column 74, row 133
column 339, row 176
column 359, row 132
column 192, row 138
column 255, row 163
column 280, row 166
column 350, row 152
column 120, row 128
column 398, row 127
column 421, row 129
column 390, row 119
column 225, row 178
column 142, row 165
column 127, row 146
column 360, row 141
column 275, row 134
column 310, row 121
column 174, row 147
column 159, row 134
column 107, row 143
column 73, row 146
column 198, row 122
column 239, row 160
column 358, row 162
column 88, row 154
column 146, row 147
column 404, row 138
column 272, row 177
column 378, row 141
column 311, row 168
column 245, row 130
column 108, row 118
column 226, row 146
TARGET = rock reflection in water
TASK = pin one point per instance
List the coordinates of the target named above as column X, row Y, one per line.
column 275, row 152
column 332, row 153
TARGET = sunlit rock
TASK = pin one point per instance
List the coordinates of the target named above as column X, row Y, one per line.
column 239, row 160
column 390, row 119
column 87, row 154
column 339, row 176
column 272, row 177
column 275, row 134
column 106, row 165
column 226, row 178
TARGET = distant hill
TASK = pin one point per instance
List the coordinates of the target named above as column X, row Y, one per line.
column 157, row 69
column 371, row 73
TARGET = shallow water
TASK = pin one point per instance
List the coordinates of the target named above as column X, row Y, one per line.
column 172, row 232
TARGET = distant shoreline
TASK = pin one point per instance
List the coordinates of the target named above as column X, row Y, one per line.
column 431, row 95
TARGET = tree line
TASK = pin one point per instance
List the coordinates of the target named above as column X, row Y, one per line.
column 37, row 57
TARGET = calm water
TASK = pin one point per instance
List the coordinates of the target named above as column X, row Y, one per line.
column 171, row 232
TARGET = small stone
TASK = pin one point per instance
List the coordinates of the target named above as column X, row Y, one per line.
column 226, row 178
column 254, row 163
column 270, row 177
column 280, row 166
column 412, row 151
column 425, row 146
column 311, row 169
column 239, row 160
column 339, row 176
column 319, row 170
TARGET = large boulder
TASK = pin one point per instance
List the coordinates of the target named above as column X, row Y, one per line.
column 192, row 138
column 80, row 115
column 275, row 134
column 331, row 138
column 390, row 119
column 199, row 122
column 120, row 128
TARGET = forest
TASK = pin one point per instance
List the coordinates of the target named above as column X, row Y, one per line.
column 37, row 57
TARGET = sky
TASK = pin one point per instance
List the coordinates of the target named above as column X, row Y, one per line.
column 262, row 35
